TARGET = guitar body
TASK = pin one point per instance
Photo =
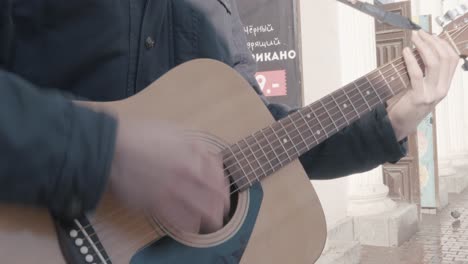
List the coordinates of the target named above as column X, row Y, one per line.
column 279, row 220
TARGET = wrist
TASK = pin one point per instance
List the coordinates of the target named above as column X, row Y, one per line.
column 406, row 115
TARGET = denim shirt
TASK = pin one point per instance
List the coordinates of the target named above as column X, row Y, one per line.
column 106, row 50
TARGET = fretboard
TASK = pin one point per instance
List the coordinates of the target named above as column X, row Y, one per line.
column 270, row 149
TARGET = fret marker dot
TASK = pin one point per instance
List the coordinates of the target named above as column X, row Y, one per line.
column 368, row 93
column 89, row 258
column 285, row 140
column 79, row 242
column 318, row 132
column 84, row 250
column 393, row 78
column 308, row 116
column 345, row 105
column 73, row 233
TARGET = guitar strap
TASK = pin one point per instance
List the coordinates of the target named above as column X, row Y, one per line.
column 386, row 17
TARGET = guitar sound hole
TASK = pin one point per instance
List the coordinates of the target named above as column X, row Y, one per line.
column 234, row 200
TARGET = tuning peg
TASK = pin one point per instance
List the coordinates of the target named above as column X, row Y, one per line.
column 465, row 64
column 460, row 10
column 441, row 20
column 452, row 14
column 464, row 8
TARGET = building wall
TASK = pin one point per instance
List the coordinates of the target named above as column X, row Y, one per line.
column 322, row 75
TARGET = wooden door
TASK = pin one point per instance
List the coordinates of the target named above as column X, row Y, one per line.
column 401, row 178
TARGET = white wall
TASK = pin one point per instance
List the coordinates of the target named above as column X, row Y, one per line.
column 322, row 75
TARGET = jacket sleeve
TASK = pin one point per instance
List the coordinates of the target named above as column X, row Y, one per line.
column 362, row 146
column 53, row 153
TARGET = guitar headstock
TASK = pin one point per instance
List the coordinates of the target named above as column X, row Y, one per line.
column 455, row 25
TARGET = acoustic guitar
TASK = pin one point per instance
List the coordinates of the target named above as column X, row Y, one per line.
column 277, row 217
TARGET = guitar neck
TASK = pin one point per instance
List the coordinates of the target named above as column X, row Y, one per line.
column 273, row 147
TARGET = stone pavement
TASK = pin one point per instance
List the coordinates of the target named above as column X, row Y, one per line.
column 441, row 239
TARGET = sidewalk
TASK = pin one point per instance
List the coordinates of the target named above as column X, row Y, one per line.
column 441, row 239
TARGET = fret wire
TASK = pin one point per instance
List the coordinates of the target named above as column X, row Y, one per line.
column 256, row 159
column 291, row 127
column 281, row 142
column 320, row 122
column 327, row 126
column 390, row 81
column 350, row 102
column 289, row 137
column 245, row 157
column 325, row 130
column 264, row 153
column 296, row 122
column 362, row 95
column 274, row 157
column 307, row 124
column 339, row 108
column 298, row 131
column 272, row 148
column 390, row 75
column 371, row 108
column 356, row 97
column 331, row 118
column 328, row 113
column 375, row 91
column 399, row 76
column 241, row 167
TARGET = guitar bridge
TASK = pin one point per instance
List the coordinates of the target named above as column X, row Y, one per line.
column 79, row 242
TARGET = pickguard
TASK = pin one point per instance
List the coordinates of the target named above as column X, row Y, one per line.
column 170, row 251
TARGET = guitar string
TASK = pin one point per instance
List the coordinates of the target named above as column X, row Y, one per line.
column 404, row 68
column 315, row 127
column 369, row 74
column 155, row 230
column 462, row 29
column 97, row 226
column 334, row 108
column 399, row 60
column 262, row 140
column 325, row 113
column 142, row 239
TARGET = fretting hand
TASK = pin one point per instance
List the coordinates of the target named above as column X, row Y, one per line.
column 428, row 89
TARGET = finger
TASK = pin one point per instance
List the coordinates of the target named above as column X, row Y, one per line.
column 453, row 55
column 227, row 199
column 429, row 56
column 214, row 195
column 224, row 184
column 414, row 71
column 449, row 62
column 443, row 54
column 212, row 216
column 181, row 214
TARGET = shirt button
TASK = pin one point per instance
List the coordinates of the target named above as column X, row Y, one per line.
column 149, row 43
